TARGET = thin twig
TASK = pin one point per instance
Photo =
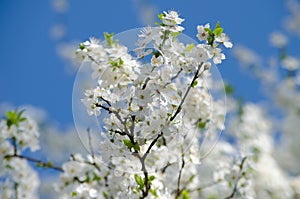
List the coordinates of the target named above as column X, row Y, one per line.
column 93, row 60
column 145, row 83
column 90, row 143
column 151, row 145
column 178, row 190
column 16, row 190
column 174, row 77
column 187, row 92
column 39, row 162
column 237, row 180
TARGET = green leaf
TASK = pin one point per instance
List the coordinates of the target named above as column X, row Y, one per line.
column 151, row 178
column 81, row 46
column 96, row 177
column 131, row 145
column 9, row 167
column 19, row 115
column 12, row 115
column 185, row 194
column 189, row 47
column 128, row 143
column 105, row 194
column 153, row 192
column 176, row 34
column 136, row 147
column 194, row 84
column 139, row 181
column 209, row 31
column 228, row 89
column 109, row 38
column 218, row 25
column 73, row 194
column 118, row 63
column 201, row 125
column 22, row 119
column 160, row 16
column 218, row 31
column 14, row 118
column 49, row 164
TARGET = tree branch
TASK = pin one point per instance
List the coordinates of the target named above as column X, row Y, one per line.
column 39, row 162
column 151, row 145
column 146, row 82
column 187, row 92
column 174, row 77
column 178, row 190
column 237, row 180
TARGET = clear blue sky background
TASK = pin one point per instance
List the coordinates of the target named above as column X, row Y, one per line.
column 31, row 72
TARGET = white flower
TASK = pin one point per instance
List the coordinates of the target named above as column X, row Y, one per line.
column 147, row 35
column 278, row 40
column 247, row 57
column 202, row 33
column 92, row 43
column 290, row 63
column 223, row 38
column 90, row 102
column 157, row 61
column 172, row 18
column 218, row 56
column 171, row 22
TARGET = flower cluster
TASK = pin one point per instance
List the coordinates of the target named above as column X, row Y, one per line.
column 153, row 113
column 160, row 123
column 18, row 179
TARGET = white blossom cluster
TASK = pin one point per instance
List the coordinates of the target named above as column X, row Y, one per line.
column 17, row 178
column 153, row 113
column 155, row 117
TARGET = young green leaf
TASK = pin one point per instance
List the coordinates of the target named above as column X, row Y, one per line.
column 160, row 16
column 218, row 25
column 153, row 192
column 139, row 181
column 194, row 84
column 189, row 47
column 81, row 46
column 228, row 89
column 109, row 38
column 185, row 194
column 218, row 31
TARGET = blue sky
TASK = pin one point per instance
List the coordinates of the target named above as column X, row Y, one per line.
column 31, row 72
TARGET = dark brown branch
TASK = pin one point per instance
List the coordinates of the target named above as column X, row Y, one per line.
column 151, row 145
column 93, row 59
column 116, row 113
column 103, row 107
column 119, row 132
column 144, row 169
column 163, row 170
column 106, row 101
column 174, row 77
column 39, row 162
column 187, row 92
column 146, row 82
column 178, row 190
